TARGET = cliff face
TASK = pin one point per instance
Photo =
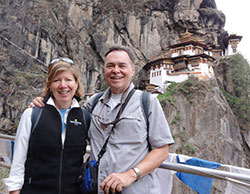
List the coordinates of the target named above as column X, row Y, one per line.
column 233, row 78
column 34, row 32
column 204, row 126
column 203, row 123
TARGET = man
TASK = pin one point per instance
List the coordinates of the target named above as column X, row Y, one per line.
column 133, row 151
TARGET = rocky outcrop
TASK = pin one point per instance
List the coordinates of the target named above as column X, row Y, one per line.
column 204, row 124
column 34, row 32
column 84, row 30
column 232, row 74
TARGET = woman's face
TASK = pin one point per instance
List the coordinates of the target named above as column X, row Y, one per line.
column 63, row 88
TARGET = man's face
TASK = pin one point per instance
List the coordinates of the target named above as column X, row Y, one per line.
column 118, row 71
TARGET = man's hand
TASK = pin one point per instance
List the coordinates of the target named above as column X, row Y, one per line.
column 15, row 192
column 117, row 181
column 38, row 101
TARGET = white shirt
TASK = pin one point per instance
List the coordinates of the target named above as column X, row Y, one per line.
column 16, row 177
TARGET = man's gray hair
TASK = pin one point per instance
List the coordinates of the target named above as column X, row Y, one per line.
column 122, row 48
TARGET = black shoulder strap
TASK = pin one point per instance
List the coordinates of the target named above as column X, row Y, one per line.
column 86, row 117
column 35, row 116
column 36, row 113
column 145, row 105
column 98, row 95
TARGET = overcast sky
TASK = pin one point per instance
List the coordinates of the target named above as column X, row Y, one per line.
column 237, row 21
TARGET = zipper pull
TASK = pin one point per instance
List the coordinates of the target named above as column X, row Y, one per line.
column 30, row 179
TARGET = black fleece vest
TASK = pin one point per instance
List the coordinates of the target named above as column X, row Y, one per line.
column 52, row 168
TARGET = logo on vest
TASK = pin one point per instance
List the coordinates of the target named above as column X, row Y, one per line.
column 75, row 122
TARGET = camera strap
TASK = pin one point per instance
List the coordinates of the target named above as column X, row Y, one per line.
column 103, row 150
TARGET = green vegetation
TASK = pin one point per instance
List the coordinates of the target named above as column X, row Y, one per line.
column 29, row 76
column 240, row 73
column 236, row 90
column 182, row 135
column 16, row 124
column 189, row 148
column 25, row 80
column 186, row 148
column 189, row 87
column 169, row 95
column 238, row 96
column 176, row 118
column 18, row 81
column 241, row 109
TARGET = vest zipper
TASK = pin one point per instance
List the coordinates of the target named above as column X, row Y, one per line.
column 60, row 173
column 61, row 161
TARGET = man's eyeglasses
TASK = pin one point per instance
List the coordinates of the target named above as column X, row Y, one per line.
column 65, row 59
column 104, row 124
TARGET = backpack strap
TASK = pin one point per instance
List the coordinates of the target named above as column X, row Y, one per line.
column 35, row 116
column 36, row 113
column 145, row 105
column 145, row 102
column 98, row 95
column 86, row 118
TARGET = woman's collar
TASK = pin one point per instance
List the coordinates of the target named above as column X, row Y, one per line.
column 73, row 104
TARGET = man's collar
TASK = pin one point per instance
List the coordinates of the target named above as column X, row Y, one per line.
column 107, row 94
column 125, row 94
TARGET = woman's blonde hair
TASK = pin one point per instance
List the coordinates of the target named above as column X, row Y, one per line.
column 58, row 67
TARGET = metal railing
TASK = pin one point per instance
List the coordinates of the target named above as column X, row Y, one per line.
column 212, row 173
column 9, row 137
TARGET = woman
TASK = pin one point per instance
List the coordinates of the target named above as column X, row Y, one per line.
column 48, row 160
